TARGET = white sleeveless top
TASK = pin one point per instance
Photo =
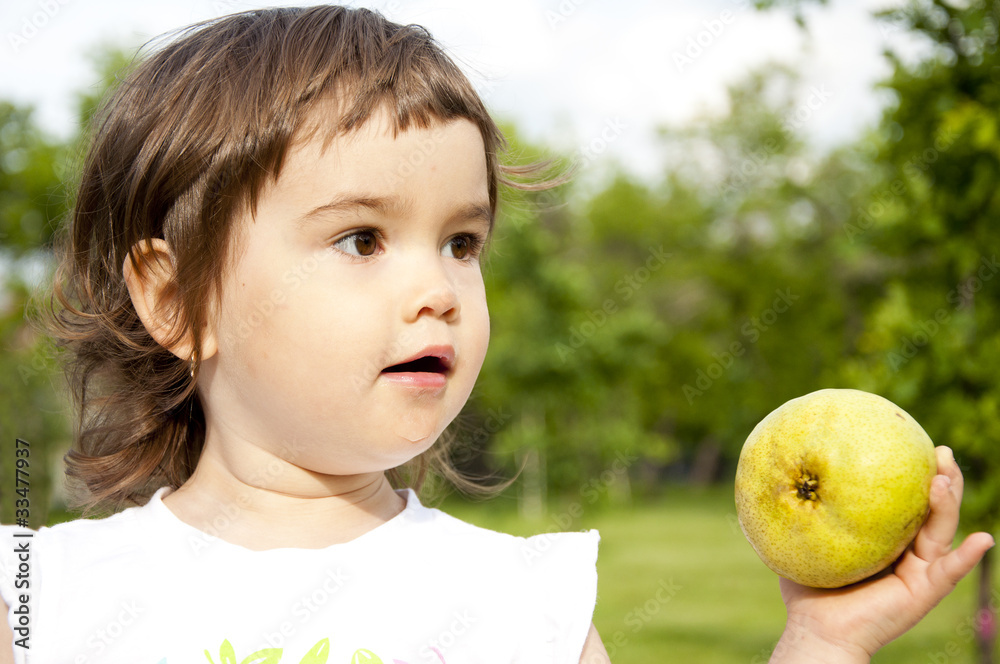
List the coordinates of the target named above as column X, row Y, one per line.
column 144, row 587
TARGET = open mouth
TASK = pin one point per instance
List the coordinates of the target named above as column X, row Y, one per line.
column 428, row 364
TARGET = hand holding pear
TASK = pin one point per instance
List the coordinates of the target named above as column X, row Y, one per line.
column 832, row 487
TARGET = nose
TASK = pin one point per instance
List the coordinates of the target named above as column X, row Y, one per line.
column 431, row 291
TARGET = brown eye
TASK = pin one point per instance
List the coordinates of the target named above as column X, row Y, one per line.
column 465, row 247
column 362, row 243
column 365, row 243
column 460, row 247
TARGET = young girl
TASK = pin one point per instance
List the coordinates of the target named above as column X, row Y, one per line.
column 275, row 304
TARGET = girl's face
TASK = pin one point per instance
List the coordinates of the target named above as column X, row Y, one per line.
column 361, row 257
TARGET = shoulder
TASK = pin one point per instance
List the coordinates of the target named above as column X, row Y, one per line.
column 55, row 553
column 84, row 536
column 44, row 568
column 542, row 588
column 454, row 538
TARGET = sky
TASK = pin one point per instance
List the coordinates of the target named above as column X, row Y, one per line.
column 590, row 77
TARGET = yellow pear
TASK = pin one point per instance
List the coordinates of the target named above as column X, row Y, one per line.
column 832, row 487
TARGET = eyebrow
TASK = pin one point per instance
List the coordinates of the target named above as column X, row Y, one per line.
column 387, row 205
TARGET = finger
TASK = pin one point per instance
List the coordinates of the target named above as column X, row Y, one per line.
column 948, row 466
column 949, row 570
column 935, row 537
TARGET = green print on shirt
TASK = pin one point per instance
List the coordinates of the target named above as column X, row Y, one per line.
column 318, row 655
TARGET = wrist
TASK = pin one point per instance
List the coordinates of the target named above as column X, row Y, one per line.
column 800, row 644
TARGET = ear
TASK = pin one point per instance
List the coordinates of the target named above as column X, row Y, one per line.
column 154, row 298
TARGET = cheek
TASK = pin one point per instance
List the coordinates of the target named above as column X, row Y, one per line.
column 477, row 316
column 269, row 309
column 484, row 328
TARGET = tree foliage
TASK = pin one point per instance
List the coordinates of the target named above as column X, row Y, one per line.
column 653, row 323
column 32, row 201
column 37, row 178
column 931, row 337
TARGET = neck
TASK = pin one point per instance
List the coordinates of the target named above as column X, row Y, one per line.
column 285, row 506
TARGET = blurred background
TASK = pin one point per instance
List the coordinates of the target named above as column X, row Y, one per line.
column 770, row 198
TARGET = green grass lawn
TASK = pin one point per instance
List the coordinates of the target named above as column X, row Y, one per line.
column 725, row 606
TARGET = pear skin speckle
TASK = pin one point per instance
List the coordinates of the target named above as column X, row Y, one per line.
column 832, row 487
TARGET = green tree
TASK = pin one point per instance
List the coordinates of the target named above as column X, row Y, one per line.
column 32, row 201
column 931, row 338
column 560, row 360
column 37, row 179
column 762, row 280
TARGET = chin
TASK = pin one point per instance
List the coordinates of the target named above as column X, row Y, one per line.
column 402, row 453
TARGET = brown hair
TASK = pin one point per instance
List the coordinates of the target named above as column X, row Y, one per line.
column 183, row 146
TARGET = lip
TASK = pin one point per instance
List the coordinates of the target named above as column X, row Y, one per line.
column 424, row 379
column 445, row 353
